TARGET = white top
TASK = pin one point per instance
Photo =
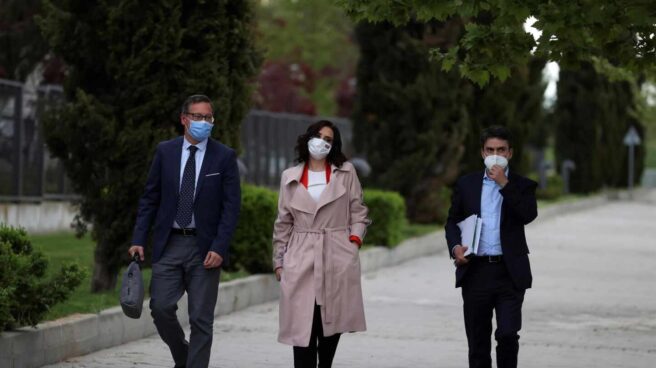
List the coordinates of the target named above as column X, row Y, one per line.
column 316, row 183
column 200, row 154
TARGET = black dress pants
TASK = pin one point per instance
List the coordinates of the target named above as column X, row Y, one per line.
column 487, row 287
column 324, row 346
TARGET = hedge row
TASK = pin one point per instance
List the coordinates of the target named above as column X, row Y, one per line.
column 387, row 214
column 26, row 294
column 251, row 246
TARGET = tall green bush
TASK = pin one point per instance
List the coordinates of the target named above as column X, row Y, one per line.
column 410, row 117
column 592, row 115
column 130, row 65
column 251, row 245
column 26, row 293
column 387, row 214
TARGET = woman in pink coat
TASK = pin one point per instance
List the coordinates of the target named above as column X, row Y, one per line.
column 316, row 238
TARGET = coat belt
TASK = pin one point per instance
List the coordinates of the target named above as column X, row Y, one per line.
column 323, row 266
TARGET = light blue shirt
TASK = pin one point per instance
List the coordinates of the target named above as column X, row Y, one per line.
column 200, row 154
column 491, row 201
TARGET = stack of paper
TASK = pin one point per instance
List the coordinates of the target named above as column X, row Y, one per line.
column 470, row 233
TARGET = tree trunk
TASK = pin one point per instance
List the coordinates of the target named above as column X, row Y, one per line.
column 104, row 275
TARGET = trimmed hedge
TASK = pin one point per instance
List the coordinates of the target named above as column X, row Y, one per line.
column 387, row 212
column 25, row 293
column 554, row 189
column 251, row 247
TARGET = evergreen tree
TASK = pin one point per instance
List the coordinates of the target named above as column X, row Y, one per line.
column 515, row 104
column 21, row 44
column 592, row 116
column 410, row 118
column 131, row 63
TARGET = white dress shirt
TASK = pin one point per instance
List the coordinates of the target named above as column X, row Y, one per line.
column 200, row 154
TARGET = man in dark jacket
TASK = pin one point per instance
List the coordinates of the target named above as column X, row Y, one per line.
column 495, row 277
column 193, row 197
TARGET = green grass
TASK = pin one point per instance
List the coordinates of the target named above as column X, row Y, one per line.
column 61, row 248
column 413, row 230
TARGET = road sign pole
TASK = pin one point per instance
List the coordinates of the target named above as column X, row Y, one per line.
column 631, row 170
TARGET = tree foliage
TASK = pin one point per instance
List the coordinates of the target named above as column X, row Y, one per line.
column 617, row 37
column 131, row 63
column 309, row 34
column 515, row 104
column 410, row 117
column 20, row 40
column 592, row 115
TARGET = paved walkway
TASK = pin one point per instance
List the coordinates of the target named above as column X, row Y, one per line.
column 593, row 305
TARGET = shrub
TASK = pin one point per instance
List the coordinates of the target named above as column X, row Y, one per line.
column 554, row 189
column 26, row 294
column 387, row 212
column 251, row 246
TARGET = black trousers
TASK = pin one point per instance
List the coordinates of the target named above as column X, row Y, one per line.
column 487, row 287
column 325, row 346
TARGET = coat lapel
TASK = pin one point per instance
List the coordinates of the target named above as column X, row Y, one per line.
column 175, row 164
column 478, row 193
column 334, row 189
column 503, row 203
column 301, row 200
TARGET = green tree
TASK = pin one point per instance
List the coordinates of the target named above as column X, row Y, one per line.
column 515, row 103
column 131, row 63
column 592, row 115
column 616, row 36
column 410, row 117
column 20, row 40
column 313, row 32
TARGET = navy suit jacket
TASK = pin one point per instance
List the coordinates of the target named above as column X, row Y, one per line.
column 216, row 204
column 519, row 208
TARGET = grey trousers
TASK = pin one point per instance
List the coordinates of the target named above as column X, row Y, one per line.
column 181, row 269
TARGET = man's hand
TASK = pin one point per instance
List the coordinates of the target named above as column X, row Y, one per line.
column 355, row 244
column 459, row 254
column 278, row 273
column 498, row 174
column 213, row 260
column 136, row 249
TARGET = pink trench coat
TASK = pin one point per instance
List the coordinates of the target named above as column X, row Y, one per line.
column 311, row 244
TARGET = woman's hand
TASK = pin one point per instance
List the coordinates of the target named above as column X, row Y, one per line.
column 278, row 273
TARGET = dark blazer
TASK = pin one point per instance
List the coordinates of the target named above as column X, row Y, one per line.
column 216, row 204
column 518, row 209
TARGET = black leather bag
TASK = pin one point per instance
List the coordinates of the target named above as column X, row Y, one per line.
column 132, row 289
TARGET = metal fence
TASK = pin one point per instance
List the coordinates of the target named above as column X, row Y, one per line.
column 268, row 141
column 28, row 173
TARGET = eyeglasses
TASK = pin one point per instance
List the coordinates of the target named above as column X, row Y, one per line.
column 201, row 117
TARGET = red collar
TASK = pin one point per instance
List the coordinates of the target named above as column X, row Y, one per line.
column 304, row 177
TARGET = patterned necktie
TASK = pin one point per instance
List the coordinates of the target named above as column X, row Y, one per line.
column 186, row 197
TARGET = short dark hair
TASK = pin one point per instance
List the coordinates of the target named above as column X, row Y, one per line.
column 496, row 131
column 335, row 156
column 194, row 99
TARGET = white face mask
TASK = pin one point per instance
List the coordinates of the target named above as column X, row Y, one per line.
column 318, row 148
column 495, row 160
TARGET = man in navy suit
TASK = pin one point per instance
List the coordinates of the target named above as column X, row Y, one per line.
column 193, row 194
column 496, row 277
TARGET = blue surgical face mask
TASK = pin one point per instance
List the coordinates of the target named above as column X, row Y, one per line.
column 200, row 130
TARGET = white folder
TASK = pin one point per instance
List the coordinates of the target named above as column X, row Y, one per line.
column 470, row 233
